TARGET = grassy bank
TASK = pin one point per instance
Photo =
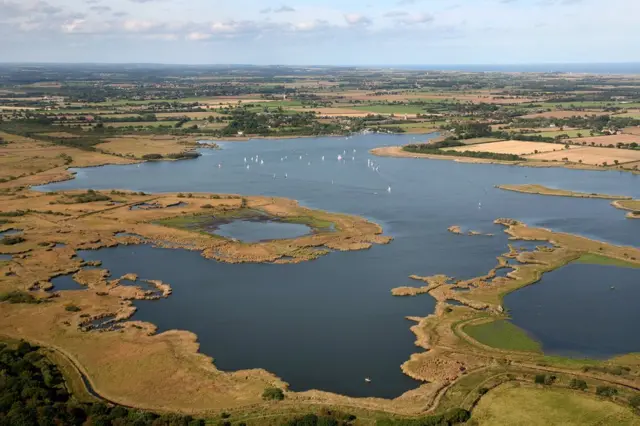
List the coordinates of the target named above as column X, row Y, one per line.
column 502, row 334
column 596, row 259
column 518, row 404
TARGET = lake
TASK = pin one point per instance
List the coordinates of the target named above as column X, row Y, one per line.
column 574, row 311
column 330, row 323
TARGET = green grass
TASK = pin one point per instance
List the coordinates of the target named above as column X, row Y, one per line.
column 143, row 124
column 391, row 109
column 413, row 127
column 589, row 104
column 571, row 133
column 501, row 334
column 514, row 404
column 310, row 221
column 596, row 259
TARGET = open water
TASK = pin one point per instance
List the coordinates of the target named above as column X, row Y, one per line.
column 330, row 323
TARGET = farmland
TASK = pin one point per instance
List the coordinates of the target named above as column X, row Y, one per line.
column 590, row 155
column 511, row 147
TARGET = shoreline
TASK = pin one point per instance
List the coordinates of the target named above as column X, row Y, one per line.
column 440, row 334
column 631, row 206
column 398, row 152
column 178, row 351
column 543, row 190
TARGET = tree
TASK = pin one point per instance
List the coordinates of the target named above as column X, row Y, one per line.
column 274, row 394
column 606, row 391
column 578, row 384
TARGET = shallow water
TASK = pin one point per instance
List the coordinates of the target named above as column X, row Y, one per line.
column 315, row 330
column 329, row 323
column 66, row 282
column 253, row 231
column 5, row 257
column 10, row 232
column 573, row 311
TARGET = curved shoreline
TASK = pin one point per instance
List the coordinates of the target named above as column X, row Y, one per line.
column 543, row 190
column 398, row 152
column 449, row 351
column 621, row 202
column 176, row 352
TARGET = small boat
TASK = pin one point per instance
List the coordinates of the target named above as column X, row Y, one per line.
column 368, row 380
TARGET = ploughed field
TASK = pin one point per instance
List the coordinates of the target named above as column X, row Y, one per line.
column 330, row 323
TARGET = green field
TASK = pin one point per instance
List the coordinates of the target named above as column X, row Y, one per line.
column 515, row 404
column 390, row 109
column 571, row 133
column 596, row 259
column 142, row 124
column 568, row 105
column 414, row 127
column 479, row 140
column 501, row 334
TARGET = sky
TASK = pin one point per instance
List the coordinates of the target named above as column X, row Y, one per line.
column 320, row 32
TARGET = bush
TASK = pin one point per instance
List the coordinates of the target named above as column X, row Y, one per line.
column 275, row 394
column 184, row 155
column 11, row 240
column 89, row 197
column 206, row 206
column 15, row 213
column 578, row 384
column 18, row 297
column 634, row 401
column 483, row 391
column 539, row 379
column 457, row 415
column 72, row 308
column 151, row 157
column 606, row 391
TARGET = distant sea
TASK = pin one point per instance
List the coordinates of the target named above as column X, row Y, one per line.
column 600, row 68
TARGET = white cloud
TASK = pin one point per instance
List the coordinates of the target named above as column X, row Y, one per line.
column 197, row 36
column 448, row 29
column 416, row 18
column 72, row 26
column 356, row 19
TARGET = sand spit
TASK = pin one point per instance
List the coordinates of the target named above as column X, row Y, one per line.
column 543, row 190
column 632, row 206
